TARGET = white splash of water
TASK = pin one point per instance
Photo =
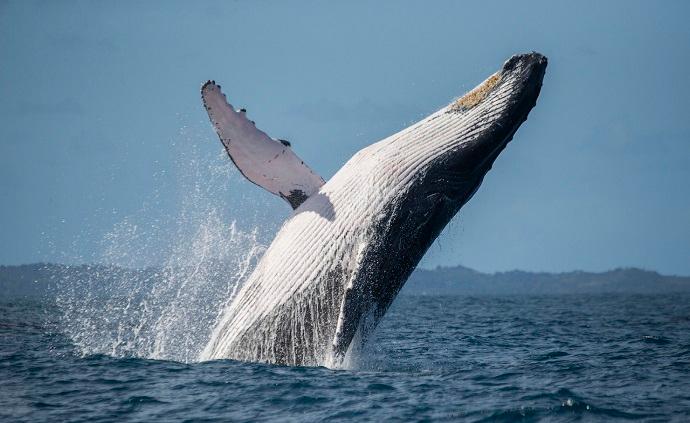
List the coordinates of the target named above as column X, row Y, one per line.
column 166, row 310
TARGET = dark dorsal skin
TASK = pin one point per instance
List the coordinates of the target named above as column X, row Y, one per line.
column 339, row 261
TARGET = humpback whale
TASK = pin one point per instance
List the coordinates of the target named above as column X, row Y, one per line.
column 338, row 262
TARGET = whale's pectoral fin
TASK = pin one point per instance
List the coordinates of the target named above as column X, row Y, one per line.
column 267, row 162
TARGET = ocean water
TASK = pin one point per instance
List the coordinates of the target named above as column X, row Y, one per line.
column 509, row 358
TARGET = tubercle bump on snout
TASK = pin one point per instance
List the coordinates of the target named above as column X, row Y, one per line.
column 476, row 95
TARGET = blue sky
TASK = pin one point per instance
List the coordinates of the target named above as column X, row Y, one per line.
column 99, row 110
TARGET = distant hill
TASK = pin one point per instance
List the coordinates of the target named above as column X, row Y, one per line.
column 465, row 281
column 38, row 279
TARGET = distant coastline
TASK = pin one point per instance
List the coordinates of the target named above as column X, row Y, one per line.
column 459, row 280
column 40, row 279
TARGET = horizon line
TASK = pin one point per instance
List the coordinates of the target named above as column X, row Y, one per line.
column 437, row 268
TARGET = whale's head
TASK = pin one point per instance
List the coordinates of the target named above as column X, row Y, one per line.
column 436, row 165
column 485, row 119
column 448, row 153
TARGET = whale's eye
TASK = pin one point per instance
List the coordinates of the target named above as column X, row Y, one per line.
column 477, row 94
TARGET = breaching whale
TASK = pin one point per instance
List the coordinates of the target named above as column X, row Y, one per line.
column 338, row 262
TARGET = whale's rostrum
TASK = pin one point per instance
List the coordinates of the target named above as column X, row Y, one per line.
column 338, row 262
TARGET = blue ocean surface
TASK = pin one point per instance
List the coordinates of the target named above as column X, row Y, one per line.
column 483, row 358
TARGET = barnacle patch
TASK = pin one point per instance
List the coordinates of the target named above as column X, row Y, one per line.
column 478, row 94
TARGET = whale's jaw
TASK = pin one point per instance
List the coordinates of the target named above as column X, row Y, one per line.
column 337, row 264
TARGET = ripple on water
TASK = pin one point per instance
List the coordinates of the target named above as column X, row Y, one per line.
column 597, row 371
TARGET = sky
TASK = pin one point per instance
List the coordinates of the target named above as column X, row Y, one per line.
column 101, row 122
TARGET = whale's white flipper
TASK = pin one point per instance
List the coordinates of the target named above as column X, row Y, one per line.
column 267, row 162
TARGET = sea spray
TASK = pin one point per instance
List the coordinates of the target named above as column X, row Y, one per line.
column 165, row 280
